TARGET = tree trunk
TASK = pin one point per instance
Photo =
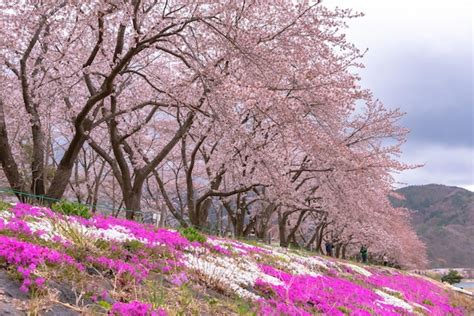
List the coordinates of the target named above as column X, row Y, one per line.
column 64, row 170
column 319, row 245
column 264, row 220
column 313, row 238
column 9, row 165
column 344, row 248
column 132, row 201
column 282, row 229
column 292, row 235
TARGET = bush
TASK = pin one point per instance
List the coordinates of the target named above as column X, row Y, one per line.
column 192, row 234
column 452, row 277
column 71, row 208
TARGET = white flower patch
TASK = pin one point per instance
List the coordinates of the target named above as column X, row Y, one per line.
column 296, row 266
column 281, row 253
column 5, row 216
column 42, row 225
column 224, row 276
column 392, row 300
column 358, row 269
column 225, row 244
column 115, row 233
column 314, row 262
column 234, row 273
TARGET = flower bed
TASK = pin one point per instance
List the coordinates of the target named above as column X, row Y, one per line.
column 33, row 240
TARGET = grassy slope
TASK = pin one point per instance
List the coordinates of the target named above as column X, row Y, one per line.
column 76, row 266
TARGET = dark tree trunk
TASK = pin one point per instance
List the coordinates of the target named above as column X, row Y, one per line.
column 292, row 235
column 263, row 221
column 9, row 165
column 343, row 251
column 338, row 251
column 312, row 239
column 132, row 201
column 37, row 163
column 319, row 245
column 282, row 218
column 64, row 170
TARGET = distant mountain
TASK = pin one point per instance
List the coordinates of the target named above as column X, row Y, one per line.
column 443, row 217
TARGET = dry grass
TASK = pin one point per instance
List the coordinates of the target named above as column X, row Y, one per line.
column 462, row 300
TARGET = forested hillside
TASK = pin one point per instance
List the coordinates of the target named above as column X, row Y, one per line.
column 443, row 217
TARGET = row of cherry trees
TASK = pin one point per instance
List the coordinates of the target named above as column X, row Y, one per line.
column 246, row 111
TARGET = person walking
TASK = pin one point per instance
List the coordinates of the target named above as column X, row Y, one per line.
column 329, row 247
column 363, row 253
column 385, row 260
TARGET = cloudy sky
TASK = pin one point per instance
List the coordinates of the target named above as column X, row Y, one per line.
column 420, row 59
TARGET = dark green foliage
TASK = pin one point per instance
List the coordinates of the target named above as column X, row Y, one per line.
column 192, row 234
column 71, row 208
column 452, row 277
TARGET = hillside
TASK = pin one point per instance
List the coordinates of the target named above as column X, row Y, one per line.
column 444, row 219
column 53, row 264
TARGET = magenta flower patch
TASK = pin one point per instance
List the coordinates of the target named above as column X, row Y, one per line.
column 135, row 308
column 25, row 257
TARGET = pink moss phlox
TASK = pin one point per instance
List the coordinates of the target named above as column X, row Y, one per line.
column 60, row 240
column 26, row 257
column 146, row 233
column 21, row 210
column 18, row 225
column 135, row 308
column 250, row 249
column 120, row 266
column 275, row 307
column 221, row 250
column 325, row 294
column 196, row 244
column 282, row 276
column 417, row 290
column 179, row 279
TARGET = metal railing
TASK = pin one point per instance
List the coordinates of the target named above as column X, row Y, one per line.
column 44, row 200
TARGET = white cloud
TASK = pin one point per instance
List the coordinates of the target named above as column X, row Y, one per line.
column 426, row 23
column 420, row 58
column 445, row 165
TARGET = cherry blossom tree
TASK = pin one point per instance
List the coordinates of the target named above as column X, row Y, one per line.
column 250, row 107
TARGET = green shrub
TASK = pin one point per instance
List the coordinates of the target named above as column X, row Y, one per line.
column 71, row 208
column 192, row 234
column 452, row 277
